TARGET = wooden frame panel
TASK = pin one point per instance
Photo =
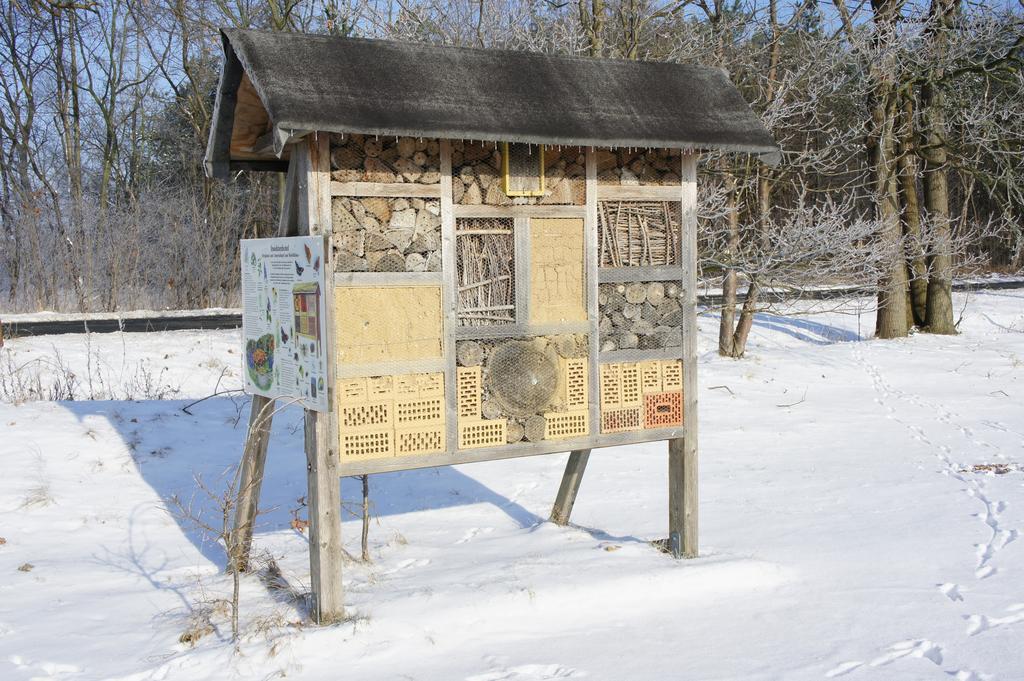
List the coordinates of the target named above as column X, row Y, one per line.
column 506, row 183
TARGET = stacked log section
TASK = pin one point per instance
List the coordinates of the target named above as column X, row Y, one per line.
column 365, row 158
column 477, row 176
column 640, row 315
column 638, row 167
column 376, row 234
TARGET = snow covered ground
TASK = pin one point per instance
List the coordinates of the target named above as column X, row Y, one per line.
column 861, row 506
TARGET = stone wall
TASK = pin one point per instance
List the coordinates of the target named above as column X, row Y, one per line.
column 386, row 235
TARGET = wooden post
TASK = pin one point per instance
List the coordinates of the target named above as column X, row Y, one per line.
column 576, row 466
column 571, row 479
column 313, row 176
column 250, row 480
column 257, row 437
column 682, row 452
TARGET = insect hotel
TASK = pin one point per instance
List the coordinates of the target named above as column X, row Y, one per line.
column 509, row 243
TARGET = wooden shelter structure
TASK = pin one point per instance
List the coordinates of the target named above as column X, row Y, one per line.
column 512, row 241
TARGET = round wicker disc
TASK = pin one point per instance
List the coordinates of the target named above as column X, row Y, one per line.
column 521, row 378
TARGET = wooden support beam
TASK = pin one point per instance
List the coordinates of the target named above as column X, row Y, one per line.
column 387, row 189
column 312, row 156
column 576, row 466
column 571, row 479
column 625, row 192
column 250, row 480
column 682, row 452
column 257, row 437
column 529, row 211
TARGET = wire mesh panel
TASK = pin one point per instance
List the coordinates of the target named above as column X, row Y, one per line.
column 485, row 259
column 638, row 233
column 523, row 166
column 640, row 315
column 478, row 177
column 638, row 167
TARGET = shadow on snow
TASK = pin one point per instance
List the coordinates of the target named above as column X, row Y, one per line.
column 170, row 447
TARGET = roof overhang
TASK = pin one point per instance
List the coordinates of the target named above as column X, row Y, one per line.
column 278, row 87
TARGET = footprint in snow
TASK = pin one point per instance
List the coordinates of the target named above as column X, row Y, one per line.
column 922, row 648
column 473, row 532
column 985, row 572
column 406, row 564
column 976, row 624
column 843, row 669
column 528, row 672
column 951, row 591
column 53, row 670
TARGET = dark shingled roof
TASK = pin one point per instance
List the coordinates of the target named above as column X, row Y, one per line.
column 378, row 87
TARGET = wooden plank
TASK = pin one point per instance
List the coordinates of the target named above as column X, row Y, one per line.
column 288, row 222
column 448, row 294
column 534, row 211
column 321, row 432
column 593, row 268
column 577, row 463
column 615, row 275
column 254, row 455
column 608, row 192
column 682, row 456
column 520, row 330
column 389, row 368
column 636, row 355
column 522, row 273
column 386, row 189
column 250, row 479
column 218, row 157
column 379, row 279
column 570, row 487
column 455, row 456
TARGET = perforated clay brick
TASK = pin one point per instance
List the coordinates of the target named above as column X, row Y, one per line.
column 630, row 385
column 574, row 376
column 563, row 425
column 367, row 445
column 422, row 410
column 421, row 440
column 379, row 388
column 362, row 416
column 663, row 410
column 352, row 391
column 620, row 420
column 430, row 385
column 671, row 375
column 650, row 376
column 468, row 392
column 611, row 389
column 477, row 434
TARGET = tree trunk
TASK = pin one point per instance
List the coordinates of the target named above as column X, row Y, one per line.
column 891, row 321
column 365, row 542
column 739, row 340
column 917, row 268
column 939, row 309
column 727, row 323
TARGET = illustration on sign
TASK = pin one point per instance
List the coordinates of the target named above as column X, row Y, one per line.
column 282, row 319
